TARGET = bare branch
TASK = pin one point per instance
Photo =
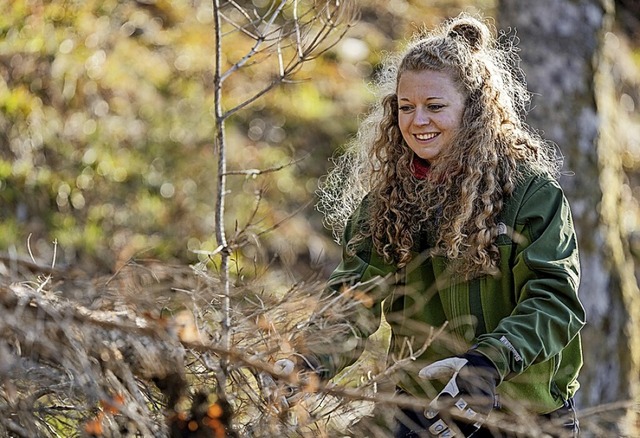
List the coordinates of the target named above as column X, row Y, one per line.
column 257, row 44
column 253, row 214
column 273, row 84
column 238, row 27
column 279, row 223
column 307, row 43
column 256, row 172
column 281, row 69
column 296, row 24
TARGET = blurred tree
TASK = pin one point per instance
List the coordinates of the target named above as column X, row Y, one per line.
column 568, row 58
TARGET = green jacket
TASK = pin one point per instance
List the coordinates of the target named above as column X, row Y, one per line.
column 526, row 320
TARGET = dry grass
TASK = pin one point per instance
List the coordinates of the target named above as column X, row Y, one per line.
column 139, row 354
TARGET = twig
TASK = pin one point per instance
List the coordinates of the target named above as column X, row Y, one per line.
column 33, row 259
column 256, row 172
column 414, row 355
column 279, row 223
column 259, row 40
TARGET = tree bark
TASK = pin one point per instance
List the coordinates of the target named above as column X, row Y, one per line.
column 568, row 68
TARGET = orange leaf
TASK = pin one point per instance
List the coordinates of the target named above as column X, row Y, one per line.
column 94, row 427
column 113, row 406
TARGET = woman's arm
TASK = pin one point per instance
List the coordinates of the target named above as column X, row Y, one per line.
column 546, row 273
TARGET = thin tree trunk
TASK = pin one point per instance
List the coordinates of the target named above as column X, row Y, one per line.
column 567, row 68
column 221, row 149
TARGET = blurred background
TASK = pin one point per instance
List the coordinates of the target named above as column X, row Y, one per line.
column 107, row 142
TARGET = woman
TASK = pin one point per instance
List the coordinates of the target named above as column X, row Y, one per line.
column 451, row 198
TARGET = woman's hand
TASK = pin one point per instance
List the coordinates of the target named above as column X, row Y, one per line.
column 468, row 397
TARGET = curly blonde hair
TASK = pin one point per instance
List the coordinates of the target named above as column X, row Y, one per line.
column 473, row 176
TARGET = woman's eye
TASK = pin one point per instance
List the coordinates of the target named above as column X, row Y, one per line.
column 405, row 108
column 436, row 107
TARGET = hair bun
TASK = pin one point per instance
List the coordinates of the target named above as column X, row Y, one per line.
column 471, row 31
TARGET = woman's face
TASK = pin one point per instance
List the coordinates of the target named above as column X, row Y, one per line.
column 430, row 108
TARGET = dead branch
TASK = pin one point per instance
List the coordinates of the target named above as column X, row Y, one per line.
column 102, row 353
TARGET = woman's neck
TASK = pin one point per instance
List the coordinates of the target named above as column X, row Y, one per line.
column 420, row 167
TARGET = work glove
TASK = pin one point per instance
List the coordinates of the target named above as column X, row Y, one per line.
column 463, row 405
column 306, row 375
column 274, row 392
column 284, row 366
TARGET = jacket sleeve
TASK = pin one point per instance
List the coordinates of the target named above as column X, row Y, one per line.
column 546, row 275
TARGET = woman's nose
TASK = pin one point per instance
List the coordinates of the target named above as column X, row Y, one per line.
column 422, row 117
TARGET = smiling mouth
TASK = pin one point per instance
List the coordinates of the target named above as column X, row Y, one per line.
column 426, row 136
